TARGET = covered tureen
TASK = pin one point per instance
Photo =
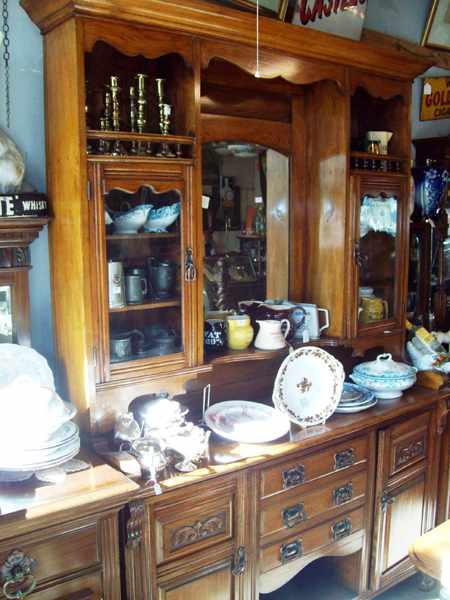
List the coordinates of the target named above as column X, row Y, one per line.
column 384, row 376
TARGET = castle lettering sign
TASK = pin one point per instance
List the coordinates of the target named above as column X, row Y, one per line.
column 340, row 17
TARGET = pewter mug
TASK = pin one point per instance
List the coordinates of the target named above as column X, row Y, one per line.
column 136, row 286
column 121, row 345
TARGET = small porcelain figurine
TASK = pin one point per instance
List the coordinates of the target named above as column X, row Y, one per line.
column 12, row 166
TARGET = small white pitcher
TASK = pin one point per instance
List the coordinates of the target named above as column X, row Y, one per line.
column 270, row 335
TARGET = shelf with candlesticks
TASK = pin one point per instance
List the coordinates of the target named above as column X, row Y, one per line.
column 139, row 145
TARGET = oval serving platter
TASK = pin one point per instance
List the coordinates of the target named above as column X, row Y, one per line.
column 246, row 422
column 308, row 386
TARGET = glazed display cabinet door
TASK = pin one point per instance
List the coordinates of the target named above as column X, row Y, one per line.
column 143, row 266
column 380, row 252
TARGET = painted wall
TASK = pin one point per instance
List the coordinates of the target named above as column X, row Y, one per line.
column 401, row 18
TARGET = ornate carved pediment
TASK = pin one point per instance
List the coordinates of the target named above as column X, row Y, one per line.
column 19, row 232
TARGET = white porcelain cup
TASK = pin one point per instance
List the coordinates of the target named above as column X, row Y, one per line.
column 116, row 285
column 312, row 321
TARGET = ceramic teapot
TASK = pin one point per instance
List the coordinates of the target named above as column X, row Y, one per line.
column 271, row 336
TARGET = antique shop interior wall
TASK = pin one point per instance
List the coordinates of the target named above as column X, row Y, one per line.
column 402, row 18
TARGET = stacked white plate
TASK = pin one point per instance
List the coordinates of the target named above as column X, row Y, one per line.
column 61, row 446
column 355, row 398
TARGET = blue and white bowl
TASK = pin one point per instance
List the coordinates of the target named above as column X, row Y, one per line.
column 384, row 376
column 160, row 219
column 132, row 220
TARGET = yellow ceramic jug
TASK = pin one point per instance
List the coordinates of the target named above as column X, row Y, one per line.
column 239, row 332
column 373, row 309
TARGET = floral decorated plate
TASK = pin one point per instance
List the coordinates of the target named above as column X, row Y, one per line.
column 246, row 422
column 308, row 386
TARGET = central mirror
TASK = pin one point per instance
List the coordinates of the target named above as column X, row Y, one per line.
column 245, row 224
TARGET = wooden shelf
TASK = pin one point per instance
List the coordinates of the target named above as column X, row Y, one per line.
column 128, row 158
column 148, row 306
column 185, row 140
column 142, row 236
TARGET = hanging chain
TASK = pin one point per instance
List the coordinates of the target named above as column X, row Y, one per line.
column 6, row 57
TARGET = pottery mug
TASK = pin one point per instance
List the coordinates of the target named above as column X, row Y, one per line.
column 116, row 286
column 135, row 286
column 215, row 337
column 312, row 320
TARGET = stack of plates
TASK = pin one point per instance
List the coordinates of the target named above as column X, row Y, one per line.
column 355, row 398
column 61, row 446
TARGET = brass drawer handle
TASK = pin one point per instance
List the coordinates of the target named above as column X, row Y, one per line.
column 344, row 459
column 291, row 551
column 341, row 529
column 294, row 515
column 293, row 476
column 343, row 494
column 15, row 572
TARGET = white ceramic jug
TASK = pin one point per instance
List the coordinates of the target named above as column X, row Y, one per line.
column 312, row 320
column 270, row 335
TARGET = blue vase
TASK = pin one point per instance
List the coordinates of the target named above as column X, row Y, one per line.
column 430, row 185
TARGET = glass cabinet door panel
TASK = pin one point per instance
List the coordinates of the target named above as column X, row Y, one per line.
column 6, row 316
column 377, row 258
column 144, row 254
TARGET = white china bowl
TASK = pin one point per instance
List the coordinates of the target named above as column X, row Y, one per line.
column 131, row 221
column 385, row 377
column 159, row 219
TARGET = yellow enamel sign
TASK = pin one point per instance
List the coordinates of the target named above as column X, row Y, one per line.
column 435, row 99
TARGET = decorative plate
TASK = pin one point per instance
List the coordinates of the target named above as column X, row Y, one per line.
column 351, row 408
column 308, row 386
column 246, row 422
column 355, row 395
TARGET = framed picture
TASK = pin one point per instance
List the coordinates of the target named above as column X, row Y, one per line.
column 270, row 8
column 437, row 30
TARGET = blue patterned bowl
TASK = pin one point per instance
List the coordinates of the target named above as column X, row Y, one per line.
column 161, row 218
column 384, row 376
column 133, row 219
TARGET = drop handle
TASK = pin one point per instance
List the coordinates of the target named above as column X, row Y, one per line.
column 190, row 270
column 239, row 561
column 16, row 575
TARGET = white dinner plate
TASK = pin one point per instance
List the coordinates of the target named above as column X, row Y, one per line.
column 246, row 422
column 308, row 386
column 349, row 409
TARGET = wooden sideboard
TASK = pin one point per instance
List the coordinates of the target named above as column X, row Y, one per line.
column 62, row 539
column 359, row 489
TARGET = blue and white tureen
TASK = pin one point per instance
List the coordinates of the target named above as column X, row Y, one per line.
column 384, row 376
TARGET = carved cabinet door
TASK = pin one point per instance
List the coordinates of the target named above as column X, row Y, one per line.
column 405, row 495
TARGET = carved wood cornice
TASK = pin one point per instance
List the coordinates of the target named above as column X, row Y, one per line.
column 201, row 19
column 20, row 231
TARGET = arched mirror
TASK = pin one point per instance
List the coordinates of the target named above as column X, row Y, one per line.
column 245, row 223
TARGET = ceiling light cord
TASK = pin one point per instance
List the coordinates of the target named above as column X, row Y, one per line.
column 257, row 72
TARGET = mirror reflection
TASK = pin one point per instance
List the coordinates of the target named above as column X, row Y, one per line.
column 245, row 224
column 6, row 322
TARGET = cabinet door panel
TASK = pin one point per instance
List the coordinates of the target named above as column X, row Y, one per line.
column 403, row 521
column 218, row 585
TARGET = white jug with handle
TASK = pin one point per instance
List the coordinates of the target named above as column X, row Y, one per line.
column 270, row 335
column 312, row 320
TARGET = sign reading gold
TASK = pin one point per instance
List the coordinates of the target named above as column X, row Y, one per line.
column 435, row 99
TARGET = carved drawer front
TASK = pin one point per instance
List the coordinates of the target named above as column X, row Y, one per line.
column 294, row 472
column 48, row 560
column 295, row 510
column 407, row 443
column 182, row 530
column 295, row 547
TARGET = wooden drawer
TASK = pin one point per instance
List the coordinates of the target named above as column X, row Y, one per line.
column 182, row 530
column 407, row 444
column 294, row 547
column 296, row 508
column 60, row 553
column 312, row 466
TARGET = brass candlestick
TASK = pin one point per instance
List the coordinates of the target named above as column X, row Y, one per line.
column 141, row 108
column 115, row 91
column 133, row 117
column 165, row 111
column 107, row 112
